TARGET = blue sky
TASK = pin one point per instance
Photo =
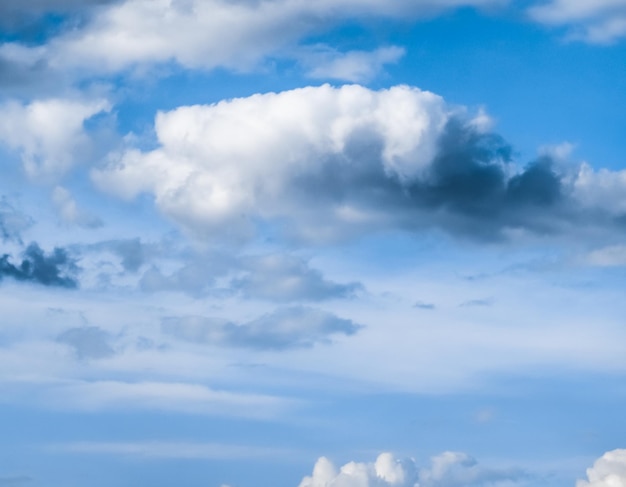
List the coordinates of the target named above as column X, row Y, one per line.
column 342, row 243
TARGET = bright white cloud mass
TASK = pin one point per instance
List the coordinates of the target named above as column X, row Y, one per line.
column 239, row 236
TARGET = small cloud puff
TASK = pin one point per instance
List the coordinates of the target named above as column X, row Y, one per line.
column 450, row 469
column 285, row 328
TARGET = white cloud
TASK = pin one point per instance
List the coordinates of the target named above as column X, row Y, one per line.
column 221, row 166
column 210, row 33
column 354, row 66
column 598, row 21
column 49, row 135
column 608, row 471
column 450, row 469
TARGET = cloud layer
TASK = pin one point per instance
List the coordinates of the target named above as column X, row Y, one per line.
column 608, row 471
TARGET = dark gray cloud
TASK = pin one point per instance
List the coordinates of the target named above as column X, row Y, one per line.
column 88, row 342
column 285, row 328
column 470, row 188
column 284, row 278
column 468, row 180
column 422, row 305
column 54, row 269
column 12, row 222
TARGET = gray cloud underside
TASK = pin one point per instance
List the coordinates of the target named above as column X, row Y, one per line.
column 88, row 342
column 466, row 189
column 56, row 269
column 285, row 328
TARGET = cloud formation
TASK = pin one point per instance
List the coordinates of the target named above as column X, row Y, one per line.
column 598, row 22
column 450, row 469
column 353, row 66
column 285, row 328
column 608, row 471
column 325, row 163
column 56, row 269
column 48, row 135
column 210, row 33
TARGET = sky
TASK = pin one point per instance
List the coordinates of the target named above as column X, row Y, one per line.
column 330, row 243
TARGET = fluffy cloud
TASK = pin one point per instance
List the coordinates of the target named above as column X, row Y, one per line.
column 599, row 21
column 49, row 135
column 285, row 328
column 450, row 469
column 324, row 163
column 221, row 166
column 608, row 471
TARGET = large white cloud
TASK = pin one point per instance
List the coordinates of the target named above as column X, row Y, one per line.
column 219, row 166
column 597, row 21
column 608, row 471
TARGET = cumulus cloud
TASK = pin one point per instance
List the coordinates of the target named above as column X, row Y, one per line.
column 285, row 328
column 450, row 469
column 608, row 471
column 325, row 163
column 49, row 135
column 269, row 156
column 88, row 342
column 56, row 269
column 600, row 21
